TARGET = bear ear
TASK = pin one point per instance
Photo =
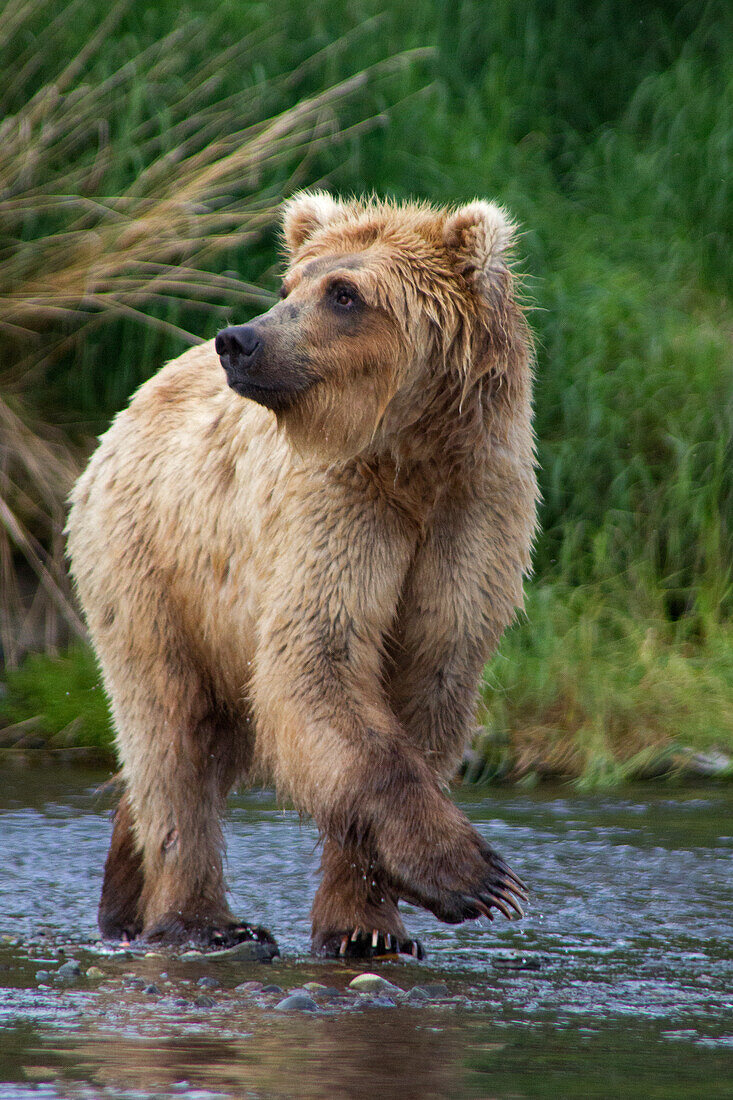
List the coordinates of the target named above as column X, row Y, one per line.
column 479, row 237
column 304, row 214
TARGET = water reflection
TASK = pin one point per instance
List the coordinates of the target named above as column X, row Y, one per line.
column 365, row 1055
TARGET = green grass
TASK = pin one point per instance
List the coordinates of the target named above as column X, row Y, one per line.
column 609, row 138
column 596, row 684
column 59, row 698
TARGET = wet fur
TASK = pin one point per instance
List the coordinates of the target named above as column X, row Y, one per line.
column 309, row 595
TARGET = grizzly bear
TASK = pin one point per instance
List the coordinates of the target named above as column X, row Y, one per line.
column 295, row 550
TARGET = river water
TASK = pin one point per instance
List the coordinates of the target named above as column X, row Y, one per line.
column 618, row 983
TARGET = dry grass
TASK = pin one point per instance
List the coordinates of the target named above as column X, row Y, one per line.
column 77, row 251
column 36, row 472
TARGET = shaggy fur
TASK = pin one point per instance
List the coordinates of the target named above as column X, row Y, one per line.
column 300, row 575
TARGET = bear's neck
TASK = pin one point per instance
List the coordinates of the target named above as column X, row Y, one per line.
column 439, row 452
column 449, row 435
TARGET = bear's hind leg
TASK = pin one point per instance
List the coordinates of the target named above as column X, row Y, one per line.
column 119, row 905
column 184, row 896
column 354, row 915
column 181, row 754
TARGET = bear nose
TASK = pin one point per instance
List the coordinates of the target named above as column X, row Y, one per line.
column 237, row 341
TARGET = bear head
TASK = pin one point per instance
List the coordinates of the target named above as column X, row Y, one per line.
column 395, row 322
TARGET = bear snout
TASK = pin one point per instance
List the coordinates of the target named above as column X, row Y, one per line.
column 239, row 348
column 238, row 344
column 256, row 368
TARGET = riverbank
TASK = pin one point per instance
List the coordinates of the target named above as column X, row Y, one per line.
column 593, row 685
column 611, row 149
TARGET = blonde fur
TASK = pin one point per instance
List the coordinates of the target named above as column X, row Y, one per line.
column 309, row 596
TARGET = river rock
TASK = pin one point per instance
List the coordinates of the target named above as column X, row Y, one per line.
column 204, row 1002
column 417, row 996
column 435, row 990
column 373, row 983
column 94, row 972
column 249, row 987
column 710, row 764
column 208, row 983
column 249, row 951
column 68, row 971
column 43, row 975
column 331, row 993
column 297, row 1002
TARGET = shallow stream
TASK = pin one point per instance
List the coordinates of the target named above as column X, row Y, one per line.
column 618, row 983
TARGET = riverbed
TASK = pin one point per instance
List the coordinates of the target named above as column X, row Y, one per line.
column 618, row 982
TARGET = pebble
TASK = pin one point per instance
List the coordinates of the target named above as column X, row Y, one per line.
column 249, row 987
column 314, row 987
column 204, row 1002
column 271, row 989
column 330, row 993
column 373, row 983
column 297, row 1002
column 68, row 971
column 208, row 983
column 43, row 975
column 136, row 983
column 516, row 962
column 435, row 990
column 417, row 996
column 94, row 972
column 249, row 951
column 152, row 991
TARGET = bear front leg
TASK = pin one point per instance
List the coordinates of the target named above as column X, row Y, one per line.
column 354, row 913
column 325, row 728
column 335, row 747
column 461, row 592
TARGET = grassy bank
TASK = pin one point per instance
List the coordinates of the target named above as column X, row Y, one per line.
column 584, row 688
column 609, row 139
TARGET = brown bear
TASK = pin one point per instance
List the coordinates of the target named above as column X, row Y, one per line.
column 295, row 550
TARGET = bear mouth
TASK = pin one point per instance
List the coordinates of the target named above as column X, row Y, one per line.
column 275, row 398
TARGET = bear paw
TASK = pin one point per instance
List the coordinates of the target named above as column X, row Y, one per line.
column 239, row 932
column 360, row 943
column 461, row 883
column 497, row 887
column 176, row 931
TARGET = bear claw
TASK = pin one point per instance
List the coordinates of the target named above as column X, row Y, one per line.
column 359, row 943
column 240, row 932
column 494, row 886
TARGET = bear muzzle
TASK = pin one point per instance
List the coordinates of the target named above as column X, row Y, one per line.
column 247, row 362
column 238, row 347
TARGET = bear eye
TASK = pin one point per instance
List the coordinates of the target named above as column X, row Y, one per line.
column 344, row 296
column 283, row 291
